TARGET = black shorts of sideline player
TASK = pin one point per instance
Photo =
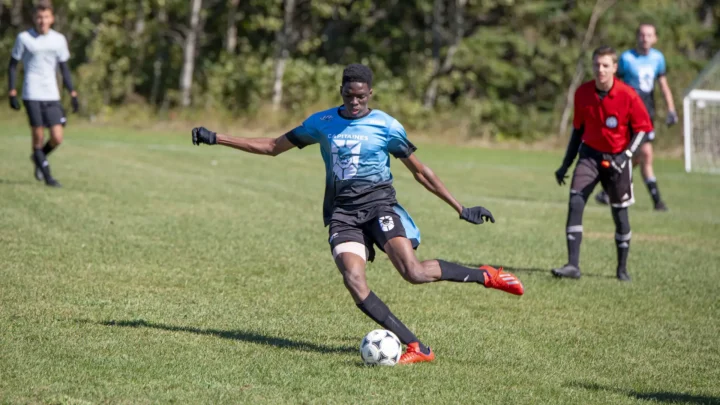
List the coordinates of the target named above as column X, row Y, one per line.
column 595, row 167
column 45, row 113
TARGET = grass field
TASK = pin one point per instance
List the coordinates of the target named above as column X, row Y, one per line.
column 168, row 273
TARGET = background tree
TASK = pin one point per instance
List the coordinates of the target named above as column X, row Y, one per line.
column 493, row 68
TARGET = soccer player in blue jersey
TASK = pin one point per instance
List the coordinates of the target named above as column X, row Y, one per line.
column 41, row 50
column 360, row 207
column 640, row 68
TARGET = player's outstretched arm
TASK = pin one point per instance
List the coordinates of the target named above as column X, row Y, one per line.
column 425, row 176
column 12, row 75
column 67, row 81
column 258, row 146
column 570, row 153
column 672, row 118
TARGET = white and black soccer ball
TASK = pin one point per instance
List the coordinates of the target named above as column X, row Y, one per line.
column 380, row 348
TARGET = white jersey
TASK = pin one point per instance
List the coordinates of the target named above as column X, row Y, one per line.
column 40, row 55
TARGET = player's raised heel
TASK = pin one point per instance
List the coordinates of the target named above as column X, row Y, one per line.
column 414, row 355
column 501, row 280
column 38, row 173
column 567, row 271
column 602, row 198
column 622, row 275
column 51, row 182
column 660, row 206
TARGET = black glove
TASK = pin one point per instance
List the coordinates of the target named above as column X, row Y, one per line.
column 672, row 118
column 75, row 104
column 476, row 215
column 203, row 135
column 560, row 175
column 619, row 161
column 14, row 103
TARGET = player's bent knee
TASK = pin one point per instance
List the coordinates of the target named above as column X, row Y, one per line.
column 56, row 134
column 355, row 282
column 414, row 273
column 415, row 276
column 577, row 202
column 354, row 279
column 647, row 159
column 622, row 221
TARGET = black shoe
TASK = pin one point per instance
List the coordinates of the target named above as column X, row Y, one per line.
column 52, row 183
column 660, row 206
column 567, row 271
column 622, row 275
column 38, row 173
column 602, row 198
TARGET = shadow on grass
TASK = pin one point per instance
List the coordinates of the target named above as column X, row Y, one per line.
column 245, row 336
column 664, row 397
column 521, row 270
column 15, row 182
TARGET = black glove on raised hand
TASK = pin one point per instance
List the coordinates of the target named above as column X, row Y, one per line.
column 672, row 118
column 619, row 161
column 14, row 103
column 203, row 135
column 561, row 175
column 477, row 215
column 75, row 104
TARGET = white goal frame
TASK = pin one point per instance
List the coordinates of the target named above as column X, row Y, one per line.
column 690, row 102
column 704, row 89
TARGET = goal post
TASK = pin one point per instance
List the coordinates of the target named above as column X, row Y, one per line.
column 701, row 127
column 701, row 120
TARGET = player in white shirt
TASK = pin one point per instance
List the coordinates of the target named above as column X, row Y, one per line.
column 42, row 50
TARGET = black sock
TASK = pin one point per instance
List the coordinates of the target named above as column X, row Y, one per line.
column 48, row 148
column 653, row 189
column 574, row 239
column 574, row 228
column 622, row 235
column 461, row 274
column 373, row 307
column 622, row 242
column 42, row 163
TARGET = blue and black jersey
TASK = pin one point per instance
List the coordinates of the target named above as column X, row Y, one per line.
column 640, row 72
column 357, row 153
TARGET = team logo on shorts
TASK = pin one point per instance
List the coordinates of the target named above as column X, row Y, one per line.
column 611, row 122
column 386, row 223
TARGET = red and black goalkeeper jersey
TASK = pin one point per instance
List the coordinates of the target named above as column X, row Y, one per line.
column 609, row 121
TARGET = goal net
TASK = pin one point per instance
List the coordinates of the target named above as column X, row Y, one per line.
column 701, row 122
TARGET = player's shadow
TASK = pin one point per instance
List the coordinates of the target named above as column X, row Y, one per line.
column 520, row 270
column 666, row 397
column 245, row 336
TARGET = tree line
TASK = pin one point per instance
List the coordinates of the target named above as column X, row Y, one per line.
column 496, row 68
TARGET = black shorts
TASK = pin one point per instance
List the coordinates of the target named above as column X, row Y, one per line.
column 376, row 230
column 45, row 113
column 589, row 172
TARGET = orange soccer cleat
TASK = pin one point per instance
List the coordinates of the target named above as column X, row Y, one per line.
column 501, row 280
column 414, row 355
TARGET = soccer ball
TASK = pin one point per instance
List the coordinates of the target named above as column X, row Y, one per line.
column 380, row 348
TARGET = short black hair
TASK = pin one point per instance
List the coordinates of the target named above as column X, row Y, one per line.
column 357, row 73
column 43, row 5
column 645, row 24
column 605, row 51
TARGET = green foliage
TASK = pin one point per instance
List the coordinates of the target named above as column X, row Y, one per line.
column 508, row 78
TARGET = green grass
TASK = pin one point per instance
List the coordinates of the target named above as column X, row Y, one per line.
column 164, row 272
